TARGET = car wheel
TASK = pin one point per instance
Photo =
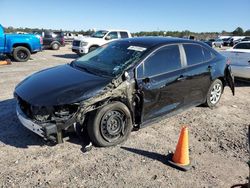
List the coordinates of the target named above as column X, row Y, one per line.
column 21, row 54
column 55, row 46
column 92, row 48
column 214, row 93
column 110, row 125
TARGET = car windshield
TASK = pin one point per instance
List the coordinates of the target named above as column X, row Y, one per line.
column 99, row 34
column 111, row 59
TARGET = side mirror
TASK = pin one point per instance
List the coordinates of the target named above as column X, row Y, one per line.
column 107, row 37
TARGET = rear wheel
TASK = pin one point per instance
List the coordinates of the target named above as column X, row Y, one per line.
column 110, row 125
column 214, row 93
column 21, row 54
column 55, row 46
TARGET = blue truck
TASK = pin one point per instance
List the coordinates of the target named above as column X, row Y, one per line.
column 19, row 46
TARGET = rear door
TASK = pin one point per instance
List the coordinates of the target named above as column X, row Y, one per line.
column 198, row 72
column 160, row 80
column 47, row 38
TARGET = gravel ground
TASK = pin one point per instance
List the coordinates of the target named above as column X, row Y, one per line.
column 217, row 138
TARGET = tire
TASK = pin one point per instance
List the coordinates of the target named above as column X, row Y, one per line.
column 55, row 46
column 21, row 54
column 110, row 125
column 92, row 48
column 214, row 93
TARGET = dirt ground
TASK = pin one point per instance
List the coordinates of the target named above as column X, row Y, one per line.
column 217, row 138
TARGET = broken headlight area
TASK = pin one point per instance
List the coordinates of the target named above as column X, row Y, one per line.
column 48, row 113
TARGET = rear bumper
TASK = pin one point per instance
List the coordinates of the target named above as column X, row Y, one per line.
column 241, row 71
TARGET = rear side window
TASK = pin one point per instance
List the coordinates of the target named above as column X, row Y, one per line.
column 124, row 34
column 164, row 60
column 242, row 46
column 113, row 35
column 208, row 55
column 194, row 54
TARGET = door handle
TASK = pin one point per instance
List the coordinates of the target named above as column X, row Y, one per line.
column 209, row 67
column 146, row 80
column 182, row 78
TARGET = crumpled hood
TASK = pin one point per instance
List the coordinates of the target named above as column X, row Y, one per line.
column 60, row 85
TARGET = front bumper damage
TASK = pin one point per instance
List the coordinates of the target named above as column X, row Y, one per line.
column 49, row 131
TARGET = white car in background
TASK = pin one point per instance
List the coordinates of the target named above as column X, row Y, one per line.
column 239, row 57
column 83, row 45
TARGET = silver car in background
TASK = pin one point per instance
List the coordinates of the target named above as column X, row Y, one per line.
column 239, row 57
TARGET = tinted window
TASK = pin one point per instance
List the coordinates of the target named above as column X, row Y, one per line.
column 242, row 46
column 113, row 35
column 47, row 34
column 59, row 34
column 194, row 54
column 207, row 54
column 124, row 34
column 164, row 60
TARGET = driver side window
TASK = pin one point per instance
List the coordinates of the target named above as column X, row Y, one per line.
column 112, row 35
column 164, row 60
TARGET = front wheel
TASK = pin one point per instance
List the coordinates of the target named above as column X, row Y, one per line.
column 21, row 54
column 110, row 125
column 214, row 93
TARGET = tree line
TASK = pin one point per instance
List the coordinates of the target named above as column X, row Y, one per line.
column 198, row 35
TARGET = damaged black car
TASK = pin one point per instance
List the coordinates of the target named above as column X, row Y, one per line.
column 121, row 86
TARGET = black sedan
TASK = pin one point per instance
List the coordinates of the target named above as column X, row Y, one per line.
column 123, row 85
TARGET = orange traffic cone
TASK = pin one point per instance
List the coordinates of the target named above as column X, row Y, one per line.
column 5, row 62
column 180, row 159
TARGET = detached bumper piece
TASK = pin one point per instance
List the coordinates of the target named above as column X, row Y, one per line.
column 48, row 131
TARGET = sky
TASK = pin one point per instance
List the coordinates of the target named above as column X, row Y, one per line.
column 133, row 15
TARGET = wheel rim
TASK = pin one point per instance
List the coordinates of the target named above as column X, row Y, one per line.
column 215, row 93
column 21, row 54
column 56, row 46
column 112, row 125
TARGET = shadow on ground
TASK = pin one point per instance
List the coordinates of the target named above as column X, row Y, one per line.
column 67, row 56
column 242, row 83
column 13, row 133
column 165, row 159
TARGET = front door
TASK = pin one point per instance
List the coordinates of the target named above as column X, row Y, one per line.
column 161, row 81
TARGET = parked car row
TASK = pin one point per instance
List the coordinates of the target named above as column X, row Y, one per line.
column 83, row 45
column 229, row 41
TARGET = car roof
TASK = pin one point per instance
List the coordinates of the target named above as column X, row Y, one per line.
column 150, row 42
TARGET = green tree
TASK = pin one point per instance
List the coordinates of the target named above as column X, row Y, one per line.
column 238, row 31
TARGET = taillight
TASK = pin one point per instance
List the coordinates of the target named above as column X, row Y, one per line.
column 41, row 40
column 228, row 62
